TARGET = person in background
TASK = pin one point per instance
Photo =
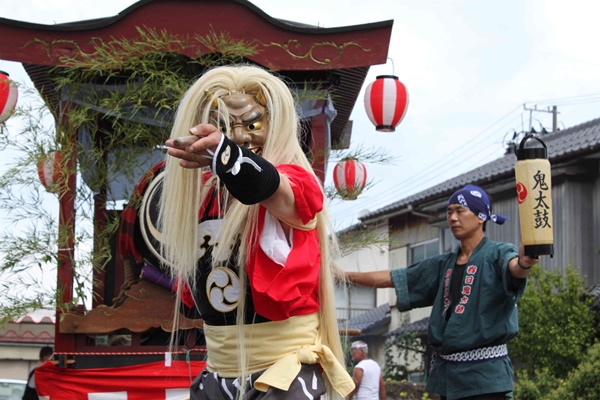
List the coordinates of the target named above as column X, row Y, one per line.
column 367, row 375
column 474, row 292
column 30, row 391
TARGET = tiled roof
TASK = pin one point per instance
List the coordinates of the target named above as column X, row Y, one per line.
column 41, row 316
column 36, row 327
column 371, row 319
column 566, row 144
column 12, row 336
column 418, row 328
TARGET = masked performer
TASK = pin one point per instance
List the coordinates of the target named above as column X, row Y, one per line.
column 250, row 237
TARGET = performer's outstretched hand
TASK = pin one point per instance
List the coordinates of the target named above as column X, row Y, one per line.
column 196, row 150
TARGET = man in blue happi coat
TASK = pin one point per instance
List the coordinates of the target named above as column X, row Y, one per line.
column 474, row 292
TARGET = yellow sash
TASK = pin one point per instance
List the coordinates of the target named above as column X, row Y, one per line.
column 279, row 347
column 297, row 223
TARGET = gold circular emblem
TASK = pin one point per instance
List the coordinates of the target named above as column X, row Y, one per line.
column 226, row 155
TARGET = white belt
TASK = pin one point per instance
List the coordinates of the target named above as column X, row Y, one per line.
column 482, row 353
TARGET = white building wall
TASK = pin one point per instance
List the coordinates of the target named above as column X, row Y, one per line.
column 17, row 362
column 368, row 259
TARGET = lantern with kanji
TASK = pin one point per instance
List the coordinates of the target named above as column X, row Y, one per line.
column 386, row 102
column 8, row 96
column 49, row 170
column 534, row 195
column 350, row 178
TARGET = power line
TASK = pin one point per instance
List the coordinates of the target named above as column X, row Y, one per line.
column 408, row 185
column 595, row 97
column 448, row 162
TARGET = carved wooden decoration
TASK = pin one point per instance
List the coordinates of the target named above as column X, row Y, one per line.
column 144, row 305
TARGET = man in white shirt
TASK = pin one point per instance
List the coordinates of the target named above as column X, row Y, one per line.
column 367, row 375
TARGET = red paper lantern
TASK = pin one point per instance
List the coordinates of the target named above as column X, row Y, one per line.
column 49, row 170
column 8, row 96
column 386, row 101
column 350, row 178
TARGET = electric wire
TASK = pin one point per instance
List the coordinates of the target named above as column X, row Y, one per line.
column 483, row 153
column 594, row 96
column 412, row 184
column 447, row 163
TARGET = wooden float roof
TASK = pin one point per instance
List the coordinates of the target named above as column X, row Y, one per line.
column 340, row 55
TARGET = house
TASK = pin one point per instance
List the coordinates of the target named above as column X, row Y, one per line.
column 22, row 340
column 417, row 228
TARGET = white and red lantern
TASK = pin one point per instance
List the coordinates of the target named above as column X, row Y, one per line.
column 350, row 178
column 386, row 102
column 8, row 96
column 49, row 170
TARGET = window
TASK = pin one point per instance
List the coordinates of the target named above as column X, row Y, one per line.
column 423, row 250
column 353, row 300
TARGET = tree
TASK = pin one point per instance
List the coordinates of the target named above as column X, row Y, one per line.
column 556, row 324
column 556, row 327
column 584, row 382
column 402, row 350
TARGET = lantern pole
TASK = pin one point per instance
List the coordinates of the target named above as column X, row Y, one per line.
column 552, row 110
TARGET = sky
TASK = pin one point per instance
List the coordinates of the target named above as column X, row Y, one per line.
column 473, row 70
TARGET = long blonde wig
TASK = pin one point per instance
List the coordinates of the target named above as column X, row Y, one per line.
column 183, row 189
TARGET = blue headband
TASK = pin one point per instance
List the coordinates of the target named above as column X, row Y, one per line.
column 477, row 201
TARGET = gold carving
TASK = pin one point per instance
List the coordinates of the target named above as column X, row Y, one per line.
column 58, row 48
column 289, row 46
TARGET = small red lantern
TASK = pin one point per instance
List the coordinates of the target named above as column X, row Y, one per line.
column 49, row 170
column 8, row 96
column 350, row 178
column 386, row 101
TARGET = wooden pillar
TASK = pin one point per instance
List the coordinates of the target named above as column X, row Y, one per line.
column 320, row 144
column 100, row 241
column 64, row 343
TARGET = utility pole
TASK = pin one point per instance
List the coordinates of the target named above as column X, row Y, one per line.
column 553, row 110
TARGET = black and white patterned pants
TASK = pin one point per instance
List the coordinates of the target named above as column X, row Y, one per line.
column 308, row 384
